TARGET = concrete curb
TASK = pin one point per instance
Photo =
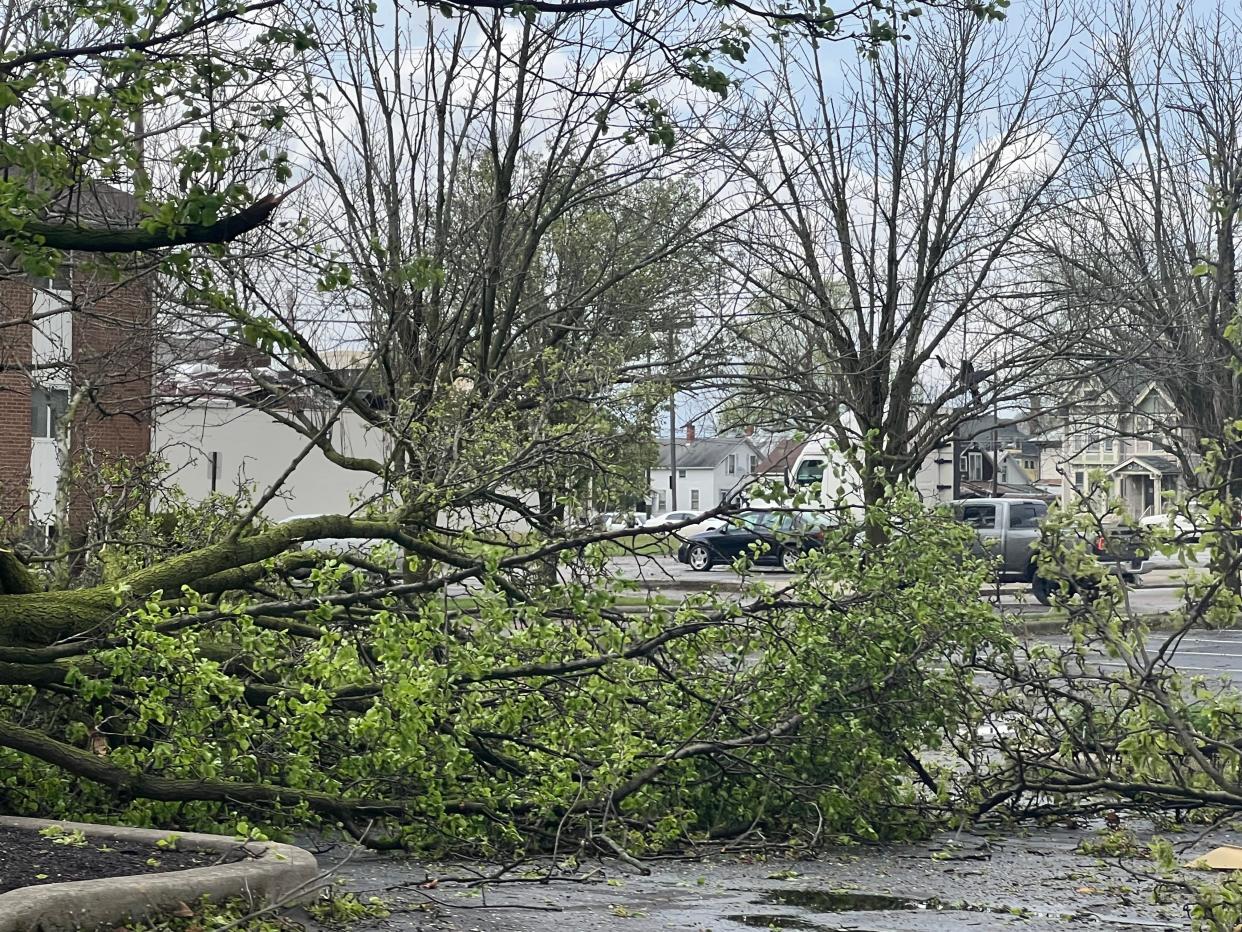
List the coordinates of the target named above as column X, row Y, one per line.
column 275, row 873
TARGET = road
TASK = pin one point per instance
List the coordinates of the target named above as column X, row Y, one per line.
column 1159, row 591
column 1207, row 652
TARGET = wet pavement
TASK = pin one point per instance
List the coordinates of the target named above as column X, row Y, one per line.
column 1030, row 879
column 1033, row 879
column 1214, row 654
column 1158, row 592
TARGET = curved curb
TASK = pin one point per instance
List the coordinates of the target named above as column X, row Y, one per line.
column 275, row 873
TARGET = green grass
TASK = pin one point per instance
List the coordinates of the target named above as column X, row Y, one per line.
column 648, row 545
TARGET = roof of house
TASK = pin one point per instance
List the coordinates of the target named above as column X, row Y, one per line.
column 981, row 429
column 781, row 457
column 1152, row 462
column 703, row 453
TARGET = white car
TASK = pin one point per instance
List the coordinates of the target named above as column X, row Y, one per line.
column 620, row 520
column 1181, row 527
column 677, row 517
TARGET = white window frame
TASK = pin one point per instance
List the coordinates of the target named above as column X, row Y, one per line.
column 972, row 465
column 48, row 428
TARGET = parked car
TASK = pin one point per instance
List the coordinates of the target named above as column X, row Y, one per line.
column 677, row 517
column 1181, row 528
column 1007, row 529
column 620, row 520
column 782, row 537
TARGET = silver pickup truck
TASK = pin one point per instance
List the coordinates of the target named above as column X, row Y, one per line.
column 1007, row 530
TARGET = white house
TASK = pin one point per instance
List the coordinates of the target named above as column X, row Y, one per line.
column 709, row 470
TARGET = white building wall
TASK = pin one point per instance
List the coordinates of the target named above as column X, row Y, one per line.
column 934, row 480
column 44, row 475
column 51, row 349
column 249, row 450
column 226, row 449
column 702, row 481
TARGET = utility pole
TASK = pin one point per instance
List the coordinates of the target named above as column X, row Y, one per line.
column 672, row 419
column 995, row 444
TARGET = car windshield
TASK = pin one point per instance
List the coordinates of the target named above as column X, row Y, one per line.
column 817, row 521
column 752, row 519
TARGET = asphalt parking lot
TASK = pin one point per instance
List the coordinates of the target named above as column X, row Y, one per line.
column 1158, row 592
column 1208, row 653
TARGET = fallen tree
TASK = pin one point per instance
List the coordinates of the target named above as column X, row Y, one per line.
column 256, row 679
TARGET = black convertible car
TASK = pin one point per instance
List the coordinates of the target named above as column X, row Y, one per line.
column 782, row 537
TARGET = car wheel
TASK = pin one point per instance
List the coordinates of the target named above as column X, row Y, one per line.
column 1045, row 589
column 699, row 558
column 789, row 559
column 1042, row 589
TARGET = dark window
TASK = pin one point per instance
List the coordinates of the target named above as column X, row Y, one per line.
column 809, row 471
column 61, row 281
column 979, row 516
column 681, row 474
column 785, row 522
column 47, row 407
column 755, row 519
column 817, row 521
column 754, row 461
column 972, row 465
column 731, row 464
column 1026, row 515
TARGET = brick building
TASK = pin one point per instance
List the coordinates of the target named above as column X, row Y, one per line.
column 80, row 340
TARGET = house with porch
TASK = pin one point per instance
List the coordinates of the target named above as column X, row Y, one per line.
column 1119, row 426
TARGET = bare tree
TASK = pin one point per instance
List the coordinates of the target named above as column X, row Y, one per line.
column 496, row 247
column 1144, row 249
column 883, row 258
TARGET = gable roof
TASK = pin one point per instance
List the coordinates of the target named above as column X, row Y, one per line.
column 1151, row 462
column 781, row 457
column 1153, row 387
column 705, row 452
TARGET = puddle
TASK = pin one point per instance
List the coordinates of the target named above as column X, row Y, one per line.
column 772, row 921
column 845, row 901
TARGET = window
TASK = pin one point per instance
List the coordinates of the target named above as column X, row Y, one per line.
column 731, row 464
column 61, row 281
column 809, row 471
column 47, row 407
column 1108, row 444
column 213, row 469
column 1026, row 515
column 784, row 522
column 681, row 474
column 972, row 465
column 754, row 461
column 661, row 501
column 1078, row 483
column 694, row 499
column 980, row 517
